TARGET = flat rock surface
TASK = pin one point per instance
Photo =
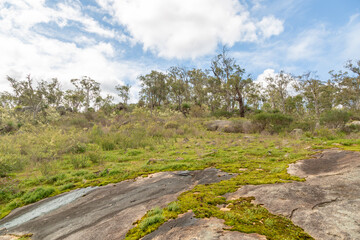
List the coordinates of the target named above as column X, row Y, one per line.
column 108, row 212
column 326, row 205
column 187, row 227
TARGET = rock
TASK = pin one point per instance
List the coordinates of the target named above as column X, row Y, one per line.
column 185, row 140
column 183, row 173
column 108, row 210
column 187, row 227
column 356, row 123
column 326, row 205
column 297, row 132
column 154, row 160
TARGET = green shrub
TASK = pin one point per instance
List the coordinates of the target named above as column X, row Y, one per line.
column 305, row 125
column 335, row 118
column 67, row 186
column 172, row 124
column 79, row 161
column 79, row 148
column 273, row 122
column 37, row 194
column 94, row 157
column 222, row 113
column 153, row 216
column 107, row 145
column 173, row 207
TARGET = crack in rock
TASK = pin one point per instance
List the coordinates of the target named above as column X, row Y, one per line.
column 322, row 204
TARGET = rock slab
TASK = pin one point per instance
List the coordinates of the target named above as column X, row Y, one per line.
column 326, row 205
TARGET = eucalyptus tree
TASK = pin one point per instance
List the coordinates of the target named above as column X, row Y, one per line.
column 277, row 89
column 178, row 83
column 222, row 67
column 198, row 80
column 311, row 88
column 348, row 85
column 26, row 94
column 52, row 92
column 154, row 89
column 232, row 80
column 87, row 88
column 123, row 92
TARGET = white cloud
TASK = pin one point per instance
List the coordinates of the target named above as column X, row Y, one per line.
column 308, row 44
column 187, row 28
column 28, row 52
column 270, row 26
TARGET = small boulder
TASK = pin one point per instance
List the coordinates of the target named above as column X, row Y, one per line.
column 297, row 132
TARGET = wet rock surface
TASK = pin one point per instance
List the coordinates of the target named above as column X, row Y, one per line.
column 108, row 212
column 187, row 227
column 326, row 205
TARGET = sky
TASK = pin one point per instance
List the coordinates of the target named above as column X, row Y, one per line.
column 115, row 41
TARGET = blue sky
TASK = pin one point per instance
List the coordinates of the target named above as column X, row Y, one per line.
column 114, row 41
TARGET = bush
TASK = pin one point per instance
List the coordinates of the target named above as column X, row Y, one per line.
column 222, row 113
column 79, row 161
column 172, row 124
column 37, row 194
column 153, row 216
column 173, row 207
column 273, row 122
column 335, row 118
column 305, row 125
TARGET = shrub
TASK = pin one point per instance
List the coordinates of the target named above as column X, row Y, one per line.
column 172, row 124
column 222, row 113
column 335, row 118
column 79, row 148
column 107, row 144
column 173, row 207
column 153, row 216
column 273, row 122
column 305, row 125
column 37, row 194
column 94, row 156
column 79, row 161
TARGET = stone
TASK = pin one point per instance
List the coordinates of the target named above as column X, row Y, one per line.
column 326, row 205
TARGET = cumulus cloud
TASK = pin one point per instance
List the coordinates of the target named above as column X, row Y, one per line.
column 187, row 28
column 26, row 51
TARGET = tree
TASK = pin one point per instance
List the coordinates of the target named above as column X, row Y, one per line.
column 178, row 86
column 74, row 99
column 105, row 104
column 123, row 92
column 237, row 85
column 51, row 91
column 349, row 85
column 276, row 89
column 25, row 94
column 154, row 89
column 88, row 88
column 232, row 80
column 311, row 88
column 199, row 81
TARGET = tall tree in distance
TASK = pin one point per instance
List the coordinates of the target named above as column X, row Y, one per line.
column 154, row 89
column 277, row 91
column 123, row 92
column 348, row 85
column 89, row 88
column 232, row 79
column 311, row 88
